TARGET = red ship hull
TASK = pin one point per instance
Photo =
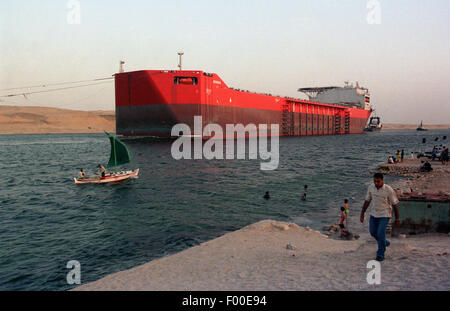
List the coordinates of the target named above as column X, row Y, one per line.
column 151, row 102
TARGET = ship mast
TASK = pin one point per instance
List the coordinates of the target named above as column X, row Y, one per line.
column 121, row 70
column 180, row 63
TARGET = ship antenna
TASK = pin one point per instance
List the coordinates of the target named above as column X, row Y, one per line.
column 180, row 64
column 121, row 66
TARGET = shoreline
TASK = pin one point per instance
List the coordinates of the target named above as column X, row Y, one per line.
column 280, row 256
column 29, row 120
column 403, row 126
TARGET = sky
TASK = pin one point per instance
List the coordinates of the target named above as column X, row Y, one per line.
column 398, row 49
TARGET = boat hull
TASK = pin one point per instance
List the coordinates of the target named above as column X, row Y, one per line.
column 150, row 103
column 108, row 178
column 372, row 129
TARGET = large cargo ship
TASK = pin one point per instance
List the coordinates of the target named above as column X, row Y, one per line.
column 151, row 102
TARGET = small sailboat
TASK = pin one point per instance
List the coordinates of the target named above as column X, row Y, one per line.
column 119, row 156
column 421, row 128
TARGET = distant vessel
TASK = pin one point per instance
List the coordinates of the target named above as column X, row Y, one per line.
column 374, row 125
column 421, row 128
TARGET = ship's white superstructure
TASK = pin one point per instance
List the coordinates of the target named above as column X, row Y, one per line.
column 349, row 95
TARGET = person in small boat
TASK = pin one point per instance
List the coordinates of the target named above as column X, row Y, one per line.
column 101, row 170
column 81, row 174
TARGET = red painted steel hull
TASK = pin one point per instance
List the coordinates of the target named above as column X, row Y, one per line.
column 151, row 102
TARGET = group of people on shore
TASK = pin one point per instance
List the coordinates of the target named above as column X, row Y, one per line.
column 399, row 156
column 439, row 152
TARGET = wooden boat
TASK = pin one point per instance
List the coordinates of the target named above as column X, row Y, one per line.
column 115, row 177
column 119, row 156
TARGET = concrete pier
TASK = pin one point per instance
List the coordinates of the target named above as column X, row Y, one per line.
column 424, row 196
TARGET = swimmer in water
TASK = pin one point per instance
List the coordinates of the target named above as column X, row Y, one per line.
column 304, row 193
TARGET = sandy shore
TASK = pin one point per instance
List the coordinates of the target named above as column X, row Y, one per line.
column 398, row 126
column 257, row 258
column 44, row 120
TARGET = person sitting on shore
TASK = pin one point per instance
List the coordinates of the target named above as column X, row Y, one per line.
column 426, row 167
column 267, row 195
column 101, row 170
column 390, row 160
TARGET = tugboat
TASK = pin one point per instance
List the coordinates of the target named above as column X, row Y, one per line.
column 421, row 128
column 374, row 125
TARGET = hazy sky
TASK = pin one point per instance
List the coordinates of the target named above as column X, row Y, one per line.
column 263, row 46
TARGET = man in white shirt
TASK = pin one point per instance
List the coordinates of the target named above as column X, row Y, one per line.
column 381, row 198
column 101, row 170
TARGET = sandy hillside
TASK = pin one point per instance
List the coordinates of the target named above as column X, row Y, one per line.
column 257, row 258
column 44, row 120
column 397, row 126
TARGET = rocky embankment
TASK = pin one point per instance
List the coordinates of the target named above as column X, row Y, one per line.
column 434, row 183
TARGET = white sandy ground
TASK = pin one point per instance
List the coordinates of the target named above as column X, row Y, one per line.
column 255, row 258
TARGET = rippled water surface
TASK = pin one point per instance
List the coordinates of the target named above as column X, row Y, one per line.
column 46, row 221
